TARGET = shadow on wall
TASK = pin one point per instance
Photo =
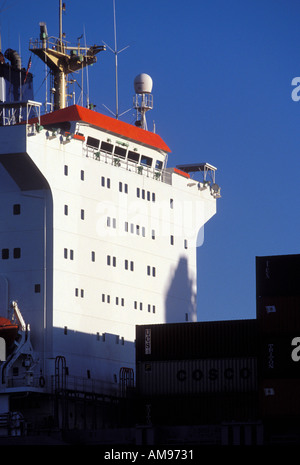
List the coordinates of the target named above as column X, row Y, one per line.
column 181, row 297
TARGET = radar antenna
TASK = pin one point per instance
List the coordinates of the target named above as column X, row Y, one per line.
column 143, row 99
column 54, row 53
column 116, row 52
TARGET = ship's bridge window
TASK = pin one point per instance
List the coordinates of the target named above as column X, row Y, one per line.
column 106, row 147
column 120, row 151
column 146, row 161
column 158, row 165
column 133, row 156
column 92, row 142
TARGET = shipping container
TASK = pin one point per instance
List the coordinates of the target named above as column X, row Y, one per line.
column 186, row 377
column 200, row 409
column 278, row 314
column 280, row 398
column 194, row 341
column 278, row 275
column 280, row 355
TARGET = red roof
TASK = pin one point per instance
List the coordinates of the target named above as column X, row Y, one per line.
column 78, row 113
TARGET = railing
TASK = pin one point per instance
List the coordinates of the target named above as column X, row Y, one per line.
column 109, row 158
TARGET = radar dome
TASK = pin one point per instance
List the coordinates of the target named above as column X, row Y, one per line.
column 143, row 84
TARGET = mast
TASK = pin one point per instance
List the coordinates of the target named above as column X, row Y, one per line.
column 61, row 59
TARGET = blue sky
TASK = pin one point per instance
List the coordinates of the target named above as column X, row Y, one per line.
column 222, row 82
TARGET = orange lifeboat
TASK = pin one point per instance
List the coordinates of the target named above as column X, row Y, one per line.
column 8, row 330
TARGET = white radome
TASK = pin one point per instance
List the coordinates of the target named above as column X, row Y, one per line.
column 143, row 84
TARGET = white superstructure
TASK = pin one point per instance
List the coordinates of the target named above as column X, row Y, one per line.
column 97, row 235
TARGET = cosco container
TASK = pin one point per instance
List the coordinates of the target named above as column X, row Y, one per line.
column 280, row 355
column 278, row 314
column 194, row 341
column 200, row 409
column 279, row 398
column 278, row 275
column 188, row 377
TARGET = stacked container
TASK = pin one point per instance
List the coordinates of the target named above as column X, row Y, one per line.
column 278, row 316
column 195, row 373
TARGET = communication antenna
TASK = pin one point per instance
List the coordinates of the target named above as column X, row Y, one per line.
column 62, row 59
column 143, row 99
column 116, row 52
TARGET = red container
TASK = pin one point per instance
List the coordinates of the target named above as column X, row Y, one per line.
column 194, row 341
column 278, row 314
column 279, row 398
column 279, row 356
column 278, row 275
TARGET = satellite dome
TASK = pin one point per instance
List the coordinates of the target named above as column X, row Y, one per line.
column 143, row 84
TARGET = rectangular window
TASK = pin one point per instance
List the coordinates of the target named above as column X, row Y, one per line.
column 126, row 188
column 66, row 210
column 131, row 266
column 148, row 270
column 82, row 214
column 65, row 330
column 76, row 292
column 120, row 151
column 143, row 194
column 102, row 181
column 65, row 253
column 103, row 297
column 108, row 222
column 153, row 196
column 137, row 229
column 82, row 293
column 17, row 209
column 71, row 254
column 141, row 306
column 122, row 302
column 153, row 234
column 153, row 271
column 172, row 239
column 92, row 142
column 17, row 252
column 108, row 299
column 66, row 170
column 93, row 256
column 114, row 262
column 133, row 156
column 126, row 264
column 117, row 300
column 126, row 226
column 171, row 203
column 108, row 183
column 148, row 195
column 106, row 147
column 158, row 165
column 143, row 231
column 138, row 192
column 135, row 304
column 149, row 308
column 108, row 260
column 146, row 161
column 37, row 288
column 153, row 308
column 120, row 186
column 82, row 175
column 185, row 243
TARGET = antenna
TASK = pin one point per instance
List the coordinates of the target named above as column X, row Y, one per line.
column 116, row 52
column 54, row 53
column 143, row 99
